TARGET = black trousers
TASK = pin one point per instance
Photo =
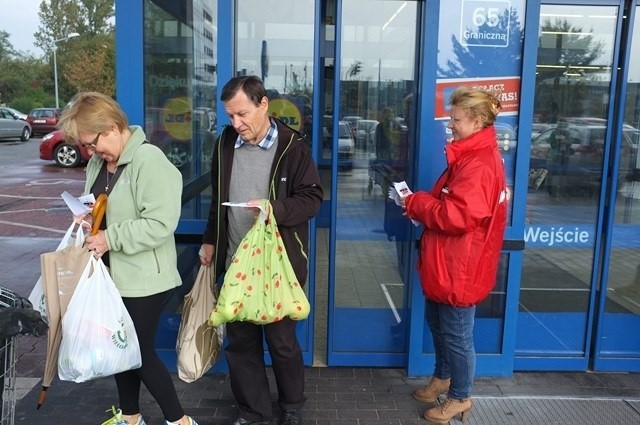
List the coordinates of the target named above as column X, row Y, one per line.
column 247, row 371
column 145, row 313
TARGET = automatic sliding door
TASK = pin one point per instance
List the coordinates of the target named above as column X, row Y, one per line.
column 371, row 127
column 618, row 347
column 567, row 166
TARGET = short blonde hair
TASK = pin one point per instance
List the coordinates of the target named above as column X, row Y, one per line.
column 477, row 104
column 91, row 112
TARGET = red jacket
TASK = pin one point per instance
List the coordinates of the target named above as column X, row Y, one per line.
column 464, row 218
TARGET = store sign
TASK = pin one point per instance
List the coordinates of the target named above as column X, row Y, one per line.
column 176, row 118
column 506, row 88
column 167, row 82
column 485, row 23
column 578, row 236
column 547, row 236
column 287, row 112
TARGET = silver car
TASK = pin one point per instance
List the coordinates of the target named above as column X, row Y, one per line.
column 15, row 113
column 12, row 127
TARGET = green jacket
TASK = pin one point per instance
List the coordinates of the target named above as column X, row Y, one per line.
column 143, row 210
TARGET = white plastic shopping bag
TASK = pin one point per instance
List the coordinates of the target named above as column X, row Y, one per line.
column 74, row 236
column 98, row 336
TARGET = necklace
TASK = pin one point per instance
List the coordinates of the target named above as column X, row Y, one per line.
column 109, row 175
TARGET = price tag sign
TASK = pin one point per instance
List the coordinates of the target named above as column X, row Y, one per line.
column 485, row 23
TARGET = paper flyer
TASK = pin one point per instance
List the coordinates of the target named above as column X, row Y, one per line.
column 79, row 206
column 401, row 190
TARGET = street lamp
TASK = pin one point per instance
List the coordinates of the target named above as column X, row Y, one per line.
column 55, row 64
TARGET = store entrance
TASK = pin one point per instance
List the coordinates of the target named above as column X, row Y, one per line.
column 581, row 156
column 347, row 82
column 367, row 126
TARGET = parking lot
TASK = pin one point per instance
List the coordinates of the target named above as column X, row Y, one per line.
column 30, row 188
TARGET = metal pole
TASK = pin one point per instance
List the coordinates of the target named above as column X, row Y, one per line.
column 55, row 63
column 55, row 75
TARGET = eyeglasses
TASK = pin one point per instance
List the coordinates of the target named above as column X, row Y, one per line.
column 91, row 145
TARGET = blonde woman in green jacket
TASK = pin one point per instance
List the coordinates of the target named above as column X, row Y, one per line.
column 136, row 238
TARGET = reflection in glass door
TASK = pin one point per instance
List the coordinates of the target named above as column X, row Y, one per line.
column 571, row 138
column 275, row 41
column 617, row 347
column 368, row 126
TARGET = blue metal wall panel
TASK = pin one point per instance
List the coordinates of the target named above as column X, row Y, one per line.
column 130, row 59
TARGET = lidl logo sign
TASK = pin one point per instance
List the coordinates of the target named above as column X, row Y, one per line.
column 287, row 112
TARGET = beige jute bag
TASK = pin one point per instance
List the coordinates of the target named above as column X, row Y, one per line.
column 61, row 272
column 198, row 345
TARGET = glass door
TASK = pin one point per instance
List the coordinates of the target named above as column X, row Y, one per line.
column 274, row 40
column 617, row 348
column 368, row 128
column 568, row 179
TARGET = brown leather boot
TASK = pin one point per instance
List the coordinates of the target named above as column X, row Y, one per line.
column 434, row 388
column 449, row 409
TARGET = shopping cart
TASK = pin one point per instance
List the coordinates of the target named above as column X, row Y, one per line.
column 8, row 360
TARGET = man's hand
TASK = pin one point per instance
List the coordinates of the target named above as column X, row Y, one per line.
column 206, row 254
column 254, row 206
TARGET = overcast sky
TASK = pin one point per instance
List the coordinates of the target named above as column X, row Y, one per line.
column 20, row 19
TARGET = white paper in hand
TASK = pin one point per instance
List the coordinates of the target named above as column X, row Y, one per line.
column 78, row 206
column 398, row 191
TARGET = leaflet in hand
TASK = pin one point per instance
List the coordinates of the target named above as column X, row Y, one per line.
column 79, row 206
column 263, row 213
column 236, row 204
column 401, row 190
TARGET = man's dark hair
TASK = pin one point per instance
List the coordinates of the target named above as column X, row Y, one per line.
column 251, row 85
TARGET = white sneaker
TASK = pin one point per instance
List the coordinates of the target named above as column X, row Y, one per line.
column 191, row 421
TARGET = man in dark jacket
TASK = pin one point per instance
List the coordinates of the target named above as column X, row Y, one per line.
column 259, row 157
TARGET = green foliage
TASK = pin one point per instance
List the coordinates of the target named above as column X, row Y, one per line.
column 6, row 48
column 86, row 62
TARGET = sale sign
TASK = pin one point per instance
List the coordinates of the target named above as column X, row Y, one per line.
column 506, row 88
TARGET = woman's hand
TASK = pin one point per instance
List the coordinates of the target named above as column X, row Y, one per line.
column 85, row 220
column 97, row 244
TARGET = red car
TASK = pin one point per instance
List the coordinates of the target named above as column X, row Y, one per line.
column 43, row 120
column 54, row 147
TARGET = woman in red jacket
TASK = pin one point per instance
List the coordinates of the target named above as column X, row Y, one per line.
column 464, row 217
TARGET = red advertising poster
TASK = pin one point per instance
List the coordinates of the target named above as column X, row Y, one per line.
column 507, row 88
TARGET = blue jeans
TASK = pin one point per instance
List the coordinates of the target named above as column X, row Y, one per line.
column 452, row 332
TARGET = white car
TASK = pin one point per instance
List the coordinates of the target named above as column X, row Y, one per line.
column 346, row 144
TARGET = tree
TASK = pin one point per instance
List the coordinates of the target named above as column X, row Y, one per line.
column 86, row 62
column 61, row 17
column 354, row 70
column 99, row 54
column 571, row 46
column 21, row 80
column 6, row 48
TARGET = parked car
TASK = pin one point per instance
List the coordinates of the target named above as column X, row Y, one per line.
column 43, row 120
column 576, row 152
column 15, row 113
column 11, row 127
column 54, row 147
column 346, row 144
column 365, row 134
